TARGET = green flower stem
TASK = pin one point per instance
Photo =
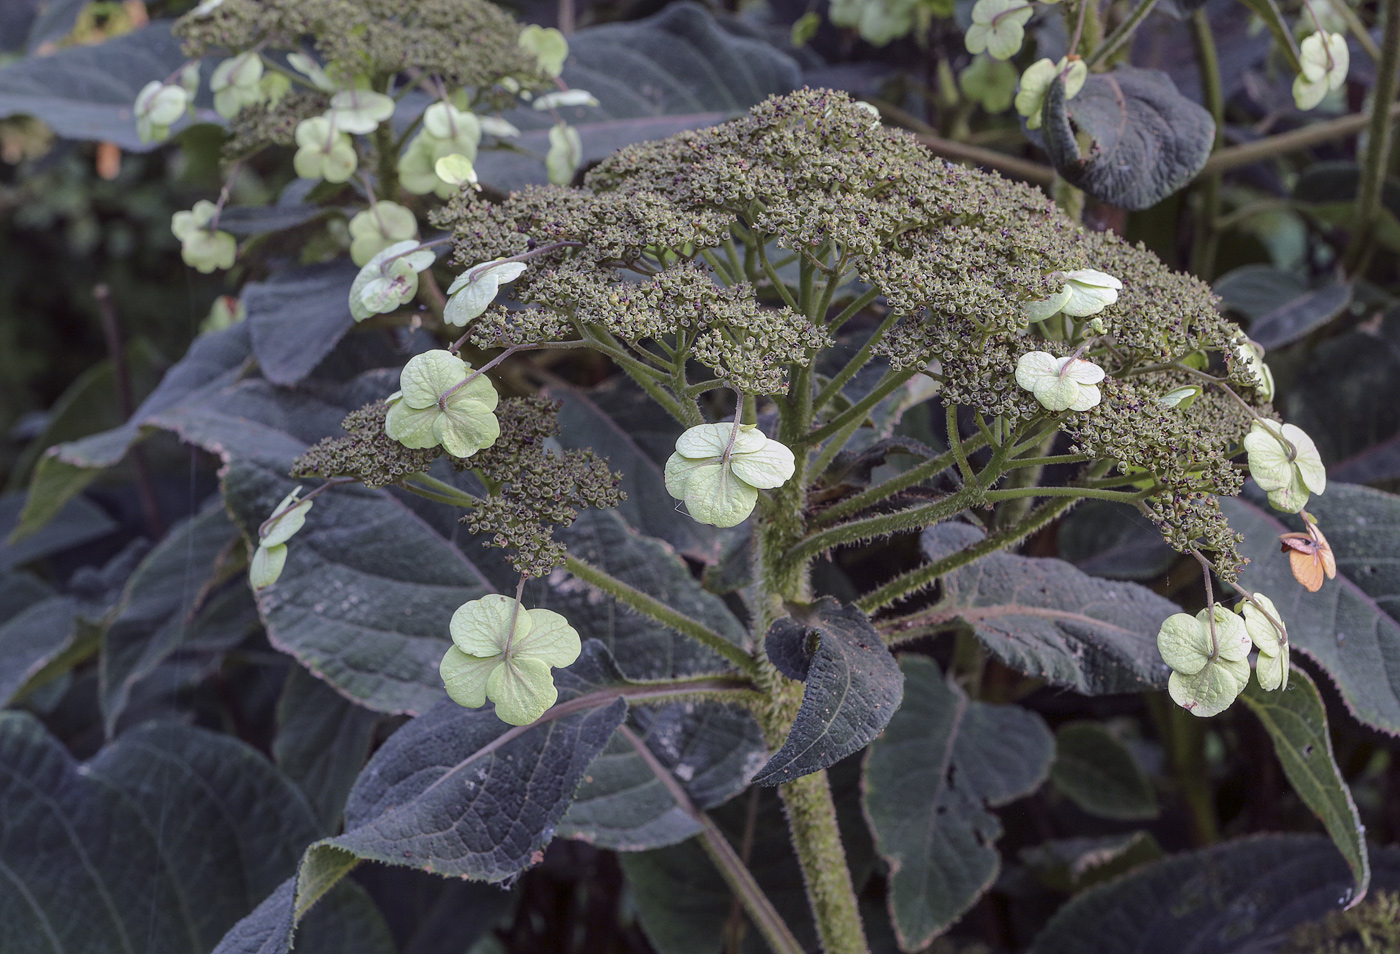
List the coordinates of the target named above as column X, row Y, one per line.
column 385, row 148
column 1304, row 137
column 955, row 442
column 833, row 447
column 725, row 275
column 778, row 284
column 439, row 490
column 1012, row 493
column 761, row 911
column 659, row 611
column 1206, row 237
column 1358, row 30
column 650, row 379
column 858, row 361
column 883, row 491
column 906, row 584
column 806, row 286
column 1048, row 461
column 854, row 308
column 811, row 815
column 1373, row 170
column 883, row 525
column 862, row 408
column 1121, row 34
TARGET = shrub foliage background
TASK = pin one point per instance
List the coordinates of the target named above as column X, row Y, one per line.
column 807, row 509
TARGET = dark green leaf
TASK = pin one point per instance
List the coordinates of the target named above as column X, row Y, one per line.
column 1099, row 774
column 297, row 316
column 1115, row 541
column 1069, row 865
column 160, row 598
column 713, row 750
column 343, row 922
column 88, row 92
column 1349, row 627
column 1280, row 308
column 1328, row 190
column 643, row 648
column 1297, row 722
column 96, row 860
column 77, row 522
column 623, row 425
column 322, row 743
column 1255, row 290
column 367, row 591
column 247, row 220
column 675, row 70
column 852, row 689
column 1045, row 618
column 1222, row 900
column 213, row 362
column 928, row 783
column 32, row 638
column 1148, row 139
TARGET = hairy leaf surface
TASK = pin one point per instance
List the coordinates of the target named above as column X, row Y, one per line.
column 1099, row 774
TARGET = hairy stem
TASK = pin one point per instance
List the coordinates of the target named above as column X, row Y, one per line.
column 883, row 525
column 858, row 411
column 1206, row 236
column 1368, row 195
column 1121, row 34
column 811, row 816
column 859, row 359
column 652, row 607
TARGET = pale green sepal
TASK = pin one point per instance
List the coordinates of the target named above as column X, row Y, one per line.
column 1230, row 633
column 412, row 427
column 480, row 628
column 1060, row 384
column 1272, row 671
column 286, row 526
column 550, row 47
column 1212, row 690
column 430, row 375
column 565, row 154
column 766, row 467
column 1043, row 308
column 266, row 565
column 998, row 27
column 1182, row 397
column 360, row 110
column 1183, row 643
column 522, row 689
column 1091, row 291
column 550, row 638
column 711, row 491
column 376, row 228
column 465, row 677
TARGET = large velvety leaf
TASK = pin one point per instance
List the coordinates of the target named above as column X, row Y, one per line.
column 675, row 70
column 79, row 521
column 1328, row 191
column 344, row 922
column 621, row 424
column 160, row 597
column 713, row 750
column 322, row 743
column 1148, row 139
column 87, row 92
column 1297, row 722
column 32, row 637
column 95, row 860
column 1114, row 540
column 1281, row 309
column 928, row 783
column 1099, row 774
column 213, row 362
column 1045, row 618
column 852, row 688
column 297, row 316
column 1349, row 627
column 459, row 793
column 367, row 591
column 1222, row 900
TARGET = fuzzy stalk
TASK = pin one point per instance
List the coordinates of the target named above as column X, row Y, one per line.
column 811, row 816
column 1207, row 234
column 1368, row 196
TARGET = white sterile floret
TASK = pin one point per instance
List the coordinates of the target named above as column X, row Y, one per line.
column 496, row 126
column 359, row 110
column 456, row 170
column 550, row 47
column 1085, row 292
column 504, row 652
column 998, row 27
column 1060, row 384
column 1324, row 60
column 158, row 107
column 1035, row 84
column 565, row 97
column 201, row 246
column 445, row 121
column 473, row 291
column 1208, row 671
column 440, row 402
column 1288, row 475
column 718, row 471
column 1271, row 668
column 309, row 68
column 388, row 280
column 324, row 152
column 236, row 83
column 565, row 154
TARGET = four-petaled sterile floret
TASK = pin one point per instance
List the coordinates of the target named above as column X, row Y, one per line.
column 1209, row 669
column 324, row 152
column 504, row 652
column 1324, row 60
column 271, row 555
column 1060, row 384
column 201, row 246
column 388, row 280
column 718, row 470
column 549, row 46
column 998, row 27
column 1284, row 462
column 376, row 228
column 237, row 83
column 359, row 110
column 440, row 402
column 158, row 106
column 1085, row 292
column 1262, row 620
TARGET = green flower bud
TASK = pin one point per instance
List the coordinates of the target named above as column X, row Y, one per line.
column 1060, row 384
column 437, row 405
column 376, row 228
column 504, row 652
column 998, row 27
column 718, row 471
